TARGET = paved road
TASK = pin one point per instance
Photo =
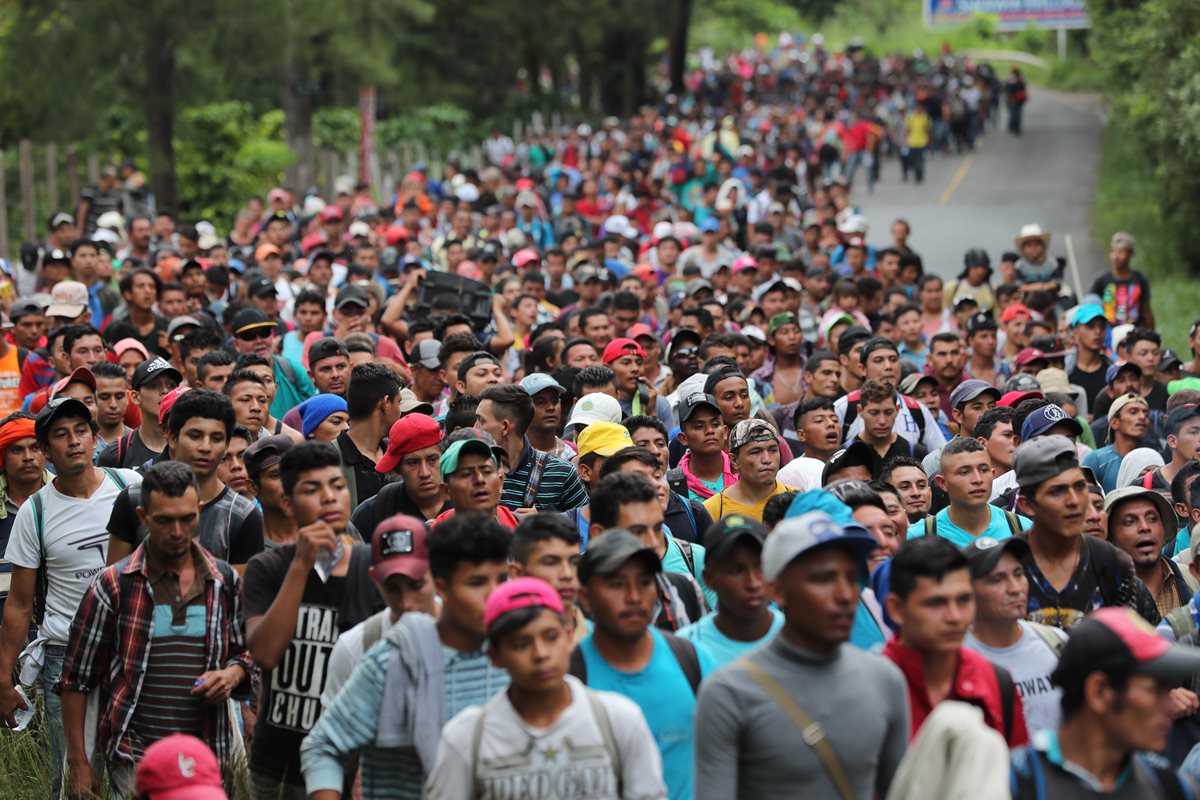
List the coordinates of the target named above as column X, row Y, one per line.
column 1048, row 175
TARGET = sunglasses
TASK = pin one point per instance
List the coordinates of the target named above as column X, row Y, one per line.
column 255, row 334
column 685, row 352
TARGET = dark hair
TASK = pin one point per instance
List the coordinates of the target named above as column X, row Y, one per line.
column 719, row 339
column 73, row 333
column 301, row 458
column 619, row 459
column 107, row 369
column 1023, row 409
column 449, row 321
column 461, row 413
column 593, row 377
column 925, row 557
column 808, row 406
column 907, row 308
column 945, row 337
column 818, row 358
column 626, row 301
column 856, row 493
column 616, row 490
column 176, row 286
column 1072, row 690
column 168, row 478
column 240, row 375
column 456, row 343
column 126, row 282
column 205, row 404
column 703, row 316
column 882, row 488
column 985, row 426
column 1181, row 492
column 537, row 359
column 899, row 462
column 877, row 390
column 217, row 358
column 199, row 339
column 868, row 285
column 645, row 421
column 538, row 528
column 254, row 360
column 369, row 383
column 466, row 537
column 776, row 508
column 311, row 298
column 961, row 444
column 587, row 313
column 511, row 402
column 926, row 279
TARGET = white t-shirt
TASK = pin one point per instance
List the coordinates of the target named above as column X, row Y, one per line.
column 905, row 425
column 804, row 473
column 75, row 532
column 1030, row 662
column 567, row 759
column 347, row 652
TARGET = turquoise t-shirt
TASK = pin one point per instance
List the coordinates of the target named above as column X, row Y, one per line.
column 662, row 691
column 673, row 562
column 716, row 487
column 998, row 529
column 724, row 650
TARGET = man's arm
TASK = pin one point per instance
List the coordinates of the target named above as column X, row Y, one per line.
column 718, row 732
column 18, row 610
column 503, row 338
column 268, row 635
column 82, row 780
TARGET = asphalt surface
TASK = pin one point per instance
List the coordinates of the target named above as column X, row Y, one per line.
column 1047, row 175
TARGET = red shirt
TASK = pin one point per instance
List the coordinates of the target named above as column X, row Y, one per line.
column 975, row 682
column 505, row 517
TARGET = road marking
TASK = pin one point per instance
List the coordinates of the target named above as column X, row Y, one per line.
column 956, row 180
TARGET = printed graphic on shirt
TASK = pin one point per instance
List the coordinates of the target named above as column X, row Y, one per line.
column 90, row 541
column 542, row 770
column 297, row 681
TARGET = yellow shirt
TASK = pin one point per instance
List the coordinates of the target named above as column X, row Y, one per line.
column 919, row 126
column 720, row 505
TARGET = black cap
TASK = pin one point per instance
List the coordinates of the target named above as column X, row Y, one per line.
column 720, row 538
column 610, row 551
column 191, row 263
column 154, row 368
column 321, row 255
column 682, row 335
column 250, row 318
column 981, row 321
column 850, row 337
column 59, row 407
column 351, row 295
column 856, row 454
column 217, row 274
column 720, row 374
column 265, row 453
column 695, row 400
column 326, row 348
column 983, row 554
column 56, row 255
column 472, row 360
column 263, row 287
column 877, row 343
column 1117, row 641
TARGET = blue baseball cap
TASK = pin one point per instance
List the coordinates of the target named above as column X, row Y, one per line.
column 1086, row 313
column 968, row 390
column 1112, row 372
column 539, row 382
column 711, row 225
column 797, row 536
column 1046, row 418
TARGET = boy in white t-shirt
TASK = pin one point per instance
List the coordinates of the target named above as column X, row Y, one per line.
column 547, row 728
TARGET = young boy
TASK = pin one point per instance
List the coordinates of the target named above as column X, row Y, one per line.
column 516, row 739
column 546, row 546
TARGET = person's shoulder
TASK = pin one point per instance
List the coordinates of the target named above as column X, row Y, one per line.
column 461, row 727
column 271, row 559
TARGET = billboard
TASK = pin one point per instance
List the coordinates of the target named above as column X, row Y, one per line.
column 1012, row 14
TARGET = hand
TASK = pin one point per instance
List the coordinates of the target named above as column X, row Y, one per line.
column 525, row 512
column 1182, row 703
column 216, row 685
column 10, row 701
column 82, row 781
column 249, row 718
column 311, row 540
column 414, row 277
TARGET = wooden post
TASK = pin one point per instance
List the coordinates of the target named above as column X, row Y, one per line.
column 28, row 207
column 329, row 170
column 93, row 169
column 52, row 176
column 437, row 165
column 72, row 178
column 4, row 251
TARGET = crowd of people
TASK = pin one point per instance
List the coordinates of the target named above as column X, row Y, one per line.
column 633, row 465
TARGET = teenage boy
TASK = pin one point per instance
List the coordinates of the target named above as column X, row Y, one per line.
column 151, row 381
column 877, row 410
column 1070, row 575
column 472, row 476
column 60, row 535
column 994, row 430
column 744, row 619
column 112, row 400
column 754, row 448
column 546, row 394
column 969, row 401
column 705, row 469
column 1183, row 442
column 913, row 420
column 515, row 739
column 820, row 432
column 911, row 482
column 1139, row 523
column 627, row 655
column 1128, row 422
column 966, row 478
column 262, row 467
column 230, row 527
column 982, row 364
column 160, row 634
column 625, row 358
column 299, row 598
column 756, row 718
column 999, row 633
column 930, row 598
column 1089, row 364
column 392, row 709
column 413, row 452
column 373, row 404
column 546, row 546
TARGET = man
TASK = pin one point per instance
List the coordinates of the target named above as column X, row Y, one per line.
column 255, row 332
column 429, row 380
column 373, row 405
column 1089, row 327
column 930, row 599
column 754, row 450
column 705, row 469
column 213, row 370
column 755, row 716
column 413, row 453
column 627, row 655
column 744, row 620
column 112, row 400
column 946, row 364
column 547, row 411
column 443, row 660
column 140, row 289
column 546, row 546
column 537, row 481
column 262, row 467
column 470, row 469
column 1139, row 522
column 849, row 368
column 1128, row 422
column 1123, row 291
column 824, row 376
column 982, row 364
column 914, row 422
column 783, row 374
column 1069, row 575
column 58, row 533
column 818, row 428
column 912, row 484
column 969, row 401
column 1115, row 676
column 994, row 430
column 329, row 366
column 966, row 478
column 1145, row 349
column 1183, row 441
column 728, row 385
column 999, row 633
column 484, row 751
column 298, row 599
column 1120, row 379
column 877, row 410
column 476, row 372
column 625, row 358
column 165, row 673
column 230, row 527
column 22, row 472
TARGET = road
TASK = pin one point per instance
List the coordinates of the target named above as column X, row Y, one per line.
column 1047, row 175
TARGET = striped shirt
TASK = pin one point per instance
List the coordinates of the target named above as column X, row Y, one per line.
column 559, row 487
column 351, row 724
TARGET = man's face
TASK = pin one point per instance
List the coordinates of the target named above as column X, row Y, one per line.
column 475, row 485
column 818, row 594
column 878, row 421
column 653, row 441
column 598, row 330
column 557, row 563
column 908, row 325
column 1059, row 505
column 967, row 478
column 24, row 460
column 260, row 341
column 268, row 378
column 628, row 369
column 330, row 375
column 582, row 355
column 309, row 317
column 738, row 582
column 644, row 520
column 983, row 343
column 935, row 616
column 1138, row 716
column 884, row 364
column 825, row 378
column 704, row 431
column 788, row 339
column 201, row 445
column 86, row 351
column 1145, row 354
column 758, row 462
column 944, row 358
column 896, row 513
column 172, row 303
column 883, row 528
column 419, row 469
column 140, row 232
column 69, row 445
column 1126, row 382
column 112, row 399
column 968, row 413
column 1091, row 335
column 773, row 302
column 170, row 522
column 490, row 421
column 889, row 268
column 479, row 377
column 1137, row 528
column 1095, row 519
column 1003, row 594
column 217, row 375
column 81, row 392
column 733, row 396
column 321, row 495
column 250, row 404
column 1186, row 441
column 232, row 469
column 1000, row 446
column 622, row 603
column 29, row 330
column 915, row 492
column 820, row 431
column 537, row 655
column 1133, row 420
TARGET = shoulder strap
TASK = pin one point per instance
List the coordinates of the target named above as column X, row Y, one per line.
column 116, row 477
column 535, row 478
column 1052, row 640
column 39, row 523
column 930, row 525
column 1014, row 523
column 1008, row 695
column 689, row 660
column 351, row 484
column 685, row 549
column 1148, row 479
column 1180, row 620
column 1104, row 565
column 578, row 666
column 372, row 631
column 22, row 355
column 285, row 367
column 600, row 712
column 691, row 515
column 813, row 733
column 1172, row 785
column 1026, row 781
column 123, row 448
column 476, row 740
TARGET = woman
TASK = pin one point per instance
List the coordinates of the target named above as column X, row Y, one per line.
column 324, row 417
column 1135, row 465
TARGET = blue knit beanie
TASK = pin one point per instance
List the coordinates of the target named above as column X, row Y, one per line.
column 316, row 410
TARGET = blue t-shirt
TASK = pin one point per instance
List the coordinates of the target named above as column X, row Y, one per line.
column 1106, row 463
column 665, row 697
column 998, row 529
column 705, row 634
column 866, row 634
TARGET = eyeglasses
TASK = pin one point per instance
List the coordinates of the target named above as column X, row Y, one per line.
column 256, row 333
column 685, row 352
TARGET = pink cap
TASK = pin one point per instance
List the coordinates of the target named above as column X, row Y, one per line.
column 277, row 194
column 179, row 767
column 168, row 402
column 312, row 242
column 125, row 345
column 523, row 257
column 517, row 594
column 639, row 330
column 332, row 212
column 622, row 347
column 80, row 375
column 744, row 262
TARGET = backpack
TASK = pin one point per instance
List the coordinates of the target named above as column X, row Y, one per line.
column 915, row 410
column 1008, row 698
column 685, row 549
column 682, row 649
column 238, row 512
column 1014, row 524
column 1051, row 639
column 285, row 366
column 1027, row 779
column 123, row 448
column 1181, row 621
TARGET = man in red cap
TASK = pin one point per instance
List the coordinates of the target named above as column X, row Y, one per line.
column 413, row 452
column 179, row 767
column 625, row 357
column 1013, row 321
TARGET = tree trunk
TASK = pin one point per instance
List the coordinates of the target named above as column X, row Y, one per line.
column 677, row 45
column 297, row 101
column 158, row 58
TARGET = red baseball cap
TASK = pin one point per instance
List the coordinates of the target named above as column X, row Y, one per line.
column 1012, row 398
column 517, row 594
column 168, row 402
column 1016, row 311
column 523, row 257
column 1116, row 640
column 409, row 433
column 396, row 234
column 1029, row 354
column 639, row 330
column 314, row 241
column 332, row 212
column 399, row 548
column 622, row 347
column 80, row 375
column 179, row 767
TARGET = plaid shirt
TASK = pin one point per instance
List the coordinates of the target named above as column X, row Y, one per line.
column 109, row 644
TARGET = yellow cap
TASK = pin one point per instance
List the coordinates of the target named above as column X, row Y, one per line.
column 603, row 439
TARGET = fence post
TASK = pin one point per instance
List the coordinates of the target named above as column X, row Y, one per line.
column 422, row 153
column 52, row 176
column 93, row 169
column 28, row 209
column 329, row 169
column 4, row 251
column 72, row 178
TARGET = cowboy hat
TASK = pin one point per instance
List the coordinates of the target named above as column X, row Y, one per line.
column 1032, row 231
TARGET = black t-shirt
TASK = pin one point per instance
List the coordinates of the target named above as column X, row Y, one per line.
column 230, row 526
column 367, row 482
column 391, row 500
column 1156, row 400
column 136, row 454
column 1092, row 382
column 900, row 447
column 290, row 702
column 1123, row 298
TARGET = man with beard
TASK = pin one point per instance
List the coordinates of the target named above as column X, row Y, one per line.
column 1139, row 521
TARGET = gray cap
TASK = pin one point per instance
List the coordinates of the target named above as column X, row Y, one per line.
column 967, row 391
column 796, row 536
column 427, row 353
column 983, row 554
column 1040, row 459
column 610, row 551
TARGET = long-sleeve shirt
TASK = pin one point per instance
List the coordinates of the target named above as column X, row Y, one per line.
column 748, row 746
